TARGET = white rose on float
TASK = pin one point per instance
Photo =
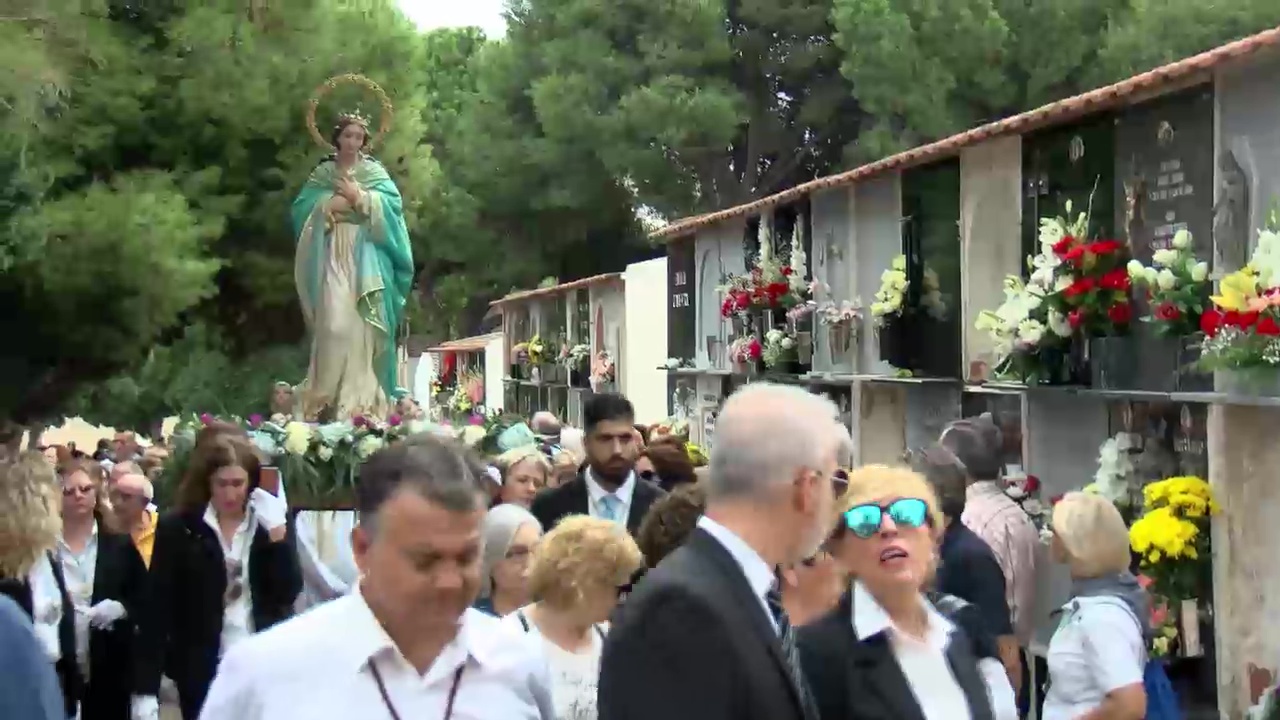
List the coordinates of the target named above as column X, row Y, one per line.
column 1200, row 271
column 1182, row 239
column 1166, row 279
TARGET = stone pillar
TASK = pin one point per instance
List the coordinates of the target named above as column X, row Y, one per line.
column 1244, row 461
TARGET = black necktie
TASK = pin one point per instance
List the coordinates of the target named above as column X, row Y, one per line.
column 787, row 639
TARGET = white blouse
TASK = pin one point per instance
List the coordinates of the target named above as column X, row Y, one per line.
column 46, row 607
column 574, row 675
column 1098, row 648
column 237, row 617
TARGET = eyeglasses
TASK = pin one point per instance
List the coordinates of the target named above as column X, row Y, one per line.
column 865, row 520
column 77, row 490
column 235, row 582
column 118, row 497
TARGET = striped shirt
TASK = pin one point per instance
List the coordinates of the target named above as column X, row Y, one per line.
column 1006, row 527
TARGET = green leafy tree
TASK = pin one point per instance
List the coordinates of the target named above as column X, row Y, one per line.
column 925, row 69
column 696, row 105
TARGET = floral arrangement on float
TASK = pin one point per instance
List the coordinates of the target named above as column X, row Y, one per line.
column 1242, row 330
column 320, row 462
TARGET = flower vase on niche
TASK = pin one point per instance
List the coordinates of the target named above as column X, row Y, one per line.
column 714, row 348
column 896, row 346
column 535, row 373
column 839, row 339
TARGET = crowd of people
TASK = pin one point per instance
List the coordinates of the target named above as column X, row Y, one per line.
column 586, row 573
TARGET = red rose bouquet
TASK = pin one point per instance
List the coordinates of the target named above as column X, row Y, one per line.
column 1095, row 285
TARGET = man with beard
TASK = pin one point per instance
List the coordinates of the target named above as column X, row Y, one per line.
column 704, row 635
column 405, row 642
column 607, row 487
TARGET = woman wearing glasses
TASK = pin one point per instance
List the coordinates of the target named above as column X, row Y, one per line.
column 577, row 573
column 106, row 582
column 884, row 651
column 510, row 534
column 222, row 569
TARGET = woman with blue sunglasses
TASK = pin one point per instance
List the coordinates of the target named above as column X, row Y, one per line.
column 885, row 651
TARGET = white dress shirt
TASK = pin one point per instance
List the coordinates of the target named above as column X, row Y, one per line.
column 622, row 496
column 78, row 570
column 923, row 661
column 759, row 573
column 237, row 616
column 46, row 607
column 317, row 667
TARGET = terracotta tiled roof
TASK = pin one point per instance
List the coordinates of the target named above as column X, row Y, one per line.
column 557, row 289
column 1154, row 81
column 469, row 344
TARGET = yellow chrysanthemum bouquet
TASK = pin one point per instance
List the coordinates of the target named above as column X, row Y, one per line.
column 1172, row 536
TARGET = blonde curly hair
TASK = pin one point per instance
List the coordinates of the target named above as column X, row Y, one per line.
column 30, row 517
column 582, row 553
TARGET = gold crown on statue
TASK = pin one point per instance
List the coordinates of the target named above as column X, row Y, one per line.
column 353, row 116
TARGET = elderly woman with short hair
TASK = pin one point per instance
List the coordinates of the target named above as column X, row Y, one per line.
column 1098, row 654
column 577, row 573
column 510, row 535
column 885, row 651
column 525, row 471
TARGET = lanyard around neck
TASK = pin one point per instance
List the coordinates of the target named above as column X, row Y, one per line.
column 391, row 709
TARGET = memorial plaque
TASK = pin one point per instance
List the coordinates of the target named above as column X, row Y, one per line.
column 681, row 295
column 1171, row 438
column 1164, row 172
column 1069, row 162
column 931, row 236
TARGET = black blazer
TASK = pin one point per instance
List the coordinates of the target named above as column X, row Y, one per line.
column 555, row 504
column 183, row 629
column 119, row 575
column 693, row 642
column 19, row 590
column 859, row 679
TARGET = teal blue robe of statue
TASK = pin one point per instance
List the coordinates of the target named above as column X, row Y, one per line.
column 353, row 270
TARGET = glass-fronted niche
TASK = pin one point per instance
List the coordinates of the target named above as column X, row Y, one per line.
column 581, row 317
column 842, row 396
column 787, row 220
column 553, row 326
column 931, row 243
column 1071, row 162
column 1006, row 411
column 1169, row 438
column 519, row 323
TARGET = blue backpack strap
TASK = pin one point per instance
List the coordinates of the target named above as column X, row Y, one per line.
column 1162, row 699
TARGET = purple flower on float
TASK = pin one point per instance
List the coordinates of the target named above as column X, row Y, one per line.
column 475, row 420
column 359, row 421
column 393, row 420
column 255, row 420
column 205, row 418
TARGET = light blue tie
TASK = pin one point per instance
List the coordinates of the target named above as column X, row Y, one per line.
column 609, row 507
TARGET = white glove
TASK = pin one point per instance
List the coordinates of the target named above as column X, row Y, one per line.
column 144, row 707
column 104, row 614
column 270, row 510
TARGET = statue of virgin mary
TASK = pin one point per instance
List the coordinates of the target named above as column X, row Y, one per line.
column 353, row 270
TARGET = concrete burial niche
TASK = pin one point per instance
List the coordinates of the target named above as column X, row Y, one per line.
column 877, row 229
column 1073, row 162
column 832, row 261
column 718, row 252
column 881, row 412
column 991, row 245
column 1243, row 453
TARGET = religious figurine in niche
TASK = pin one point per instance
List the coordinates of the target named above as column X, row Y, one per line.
column 682, row 401
column 1230, row 217
column 1189, row 446
column 1135, row 205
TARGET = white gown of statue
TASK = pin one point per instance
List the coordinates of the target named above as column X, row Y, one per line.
column 325, row 556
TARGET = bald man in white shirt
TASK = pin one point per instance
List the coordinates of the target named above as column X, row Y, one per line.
column 405, row 643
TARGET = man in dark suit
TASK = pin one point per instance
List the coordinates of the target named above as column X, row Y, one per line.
column 606, row 486
column 704, row 637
